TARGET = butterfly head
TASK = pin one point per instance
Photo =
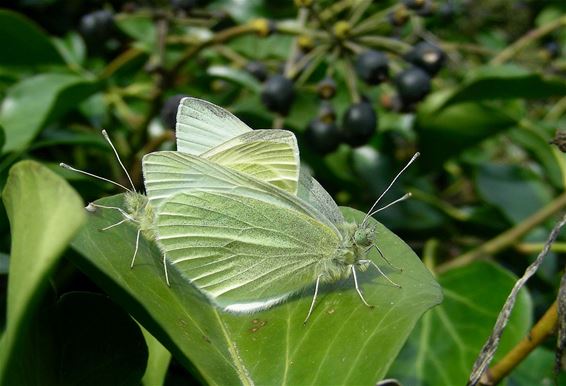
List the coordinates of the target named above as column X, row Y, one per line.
column 364, row 236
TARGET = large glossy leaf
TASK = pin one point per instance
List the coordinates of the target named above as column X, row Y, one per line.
column 447, row 340
column 37, row 100
column 446, row 132
column 23, row 43
column 344, row 342
column 44, row 213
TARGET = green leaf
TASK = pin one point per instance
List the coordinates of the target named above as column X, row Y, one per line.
column 4, row 263
column 113, row 352
column 237, row 76
column 268, row 346
column 536, row 141
column 23, row 43
column 537, row 369
column 515, row 190
column 44, row 213
column 36, row 101
column 2, row 137
column 158, row 361
column 506, row 82
column 139, row 27
column 444, row 133
column 72, row 48
column 447, row 340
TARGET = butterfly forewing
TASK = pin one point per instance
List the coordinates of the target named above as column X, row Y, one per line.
column 202, row 125
column 245, row 254
column 167, row 173
column 268, row 155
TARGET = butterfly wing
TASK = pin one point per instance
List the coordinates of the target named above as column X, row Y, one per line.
column 245, row 254
column 167, row 173
column 311, row 191
column 202, row 125
column 268, row 155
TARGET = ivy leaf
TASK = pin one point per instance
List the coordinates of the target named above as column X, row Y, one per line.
column 344, row 342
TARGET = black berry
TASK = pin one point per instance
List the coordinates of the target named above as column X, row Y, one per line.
column 277, row 94
column 412, row 85
column 359, row 124
column 97, row 26
column 372, row 67
column 168, row 113
column 552, row 49
column 257, row 69
column 427, row 56
column 323, row 137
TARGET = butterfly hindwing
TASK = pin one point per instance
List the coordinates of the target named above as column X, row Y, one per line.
column 202, row 125
column 311, row 191
column 268, row 155
column 245, row 254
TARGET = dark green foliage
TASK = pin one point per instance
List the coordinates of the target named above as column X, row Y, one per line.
column 476, row 87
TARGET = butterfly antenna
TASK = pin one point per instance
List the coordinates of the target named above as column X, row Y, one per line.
column 413, row 158
column 107, row 138
column 68, row 167
column 406, row 196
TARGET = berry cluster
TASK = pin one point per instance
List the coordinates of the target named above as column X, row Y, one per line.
column 369, row 65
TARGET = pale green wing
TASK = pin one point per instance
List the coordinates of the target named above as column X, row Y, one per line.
column 268, row 155
column 244, row 254
column 202, row 125
column 312, row 192
column 167, row 173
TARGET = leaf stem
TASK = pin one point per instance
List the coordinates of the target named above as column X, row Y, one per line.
column 506, row 238
column 544, row 328
column 396, row 46
column 527, row 39
column 350, row 78
column 358, row 10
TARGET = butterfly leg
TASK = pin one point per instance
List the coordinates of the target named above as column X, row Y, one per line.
column 383, row 257
column 113, row 225
column 313, row 298
column 92, row 205
column 383, row 274
column 166, row 273
column 136, row 249
column 358, row 288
